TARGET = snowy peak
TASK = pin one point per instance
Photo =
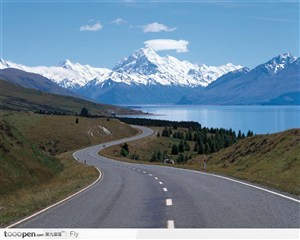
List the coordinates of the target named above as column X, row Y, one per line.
column 4, row 64
column 278, row 63
column 143, row 67
column 66, row 64
column 143, row 61
column 169, row 70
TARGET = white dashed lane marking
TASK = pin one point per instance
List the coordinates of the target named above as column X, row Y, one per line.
column 150, row 174
column 170, row 224
column 169, row 202
column 160, row 183
column 156, row 178
column 165, row 189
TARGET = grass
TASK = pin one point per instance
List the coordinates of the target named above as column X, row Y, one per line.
column 32, row 198
column 145, row 147
column 269, row 160
column 36, row 163
column 15, row 97
column 58, row 134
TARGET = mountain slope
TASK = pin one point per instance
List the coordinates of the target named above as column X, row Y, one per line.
column 22, row 164
column 267, row 81
column 15, row 97
column 271, row 160
column 34, row 81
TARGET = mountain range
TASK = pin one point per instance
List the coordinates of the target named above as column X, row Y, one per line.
column 274, row 82
column 144, row 77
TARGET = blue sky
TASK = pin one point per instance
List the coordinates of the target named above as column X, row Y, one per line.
column 100, row 33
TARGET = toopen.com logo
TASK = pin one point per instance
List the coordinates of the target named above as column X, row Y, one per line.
column 19, row 234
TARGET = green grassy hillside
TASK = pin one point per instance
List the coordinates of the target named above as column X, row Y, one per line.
column 15, row 97
column 22, row 164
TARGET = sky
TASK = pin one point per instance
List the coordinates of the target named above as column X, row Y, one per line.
column 100, row 33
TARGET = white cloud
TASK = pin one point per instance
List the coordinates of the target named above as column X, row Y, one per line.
column 167, row 44
column 118, row 21
column 94, row 27
column 157, row 27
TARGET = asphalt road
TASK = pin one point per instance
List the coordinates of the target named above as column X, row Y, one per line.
column 145, row 196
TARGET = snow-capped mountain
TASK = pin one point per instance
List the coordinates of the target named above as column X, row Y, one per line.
column 144, row 66
column 154, row 69
column 153, row 78
column 144, row 77
column 274, row 82
column 67, row 74
column 277, row 63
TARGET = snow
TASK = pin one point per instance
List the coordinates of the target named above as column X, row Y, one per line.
column 144, row 66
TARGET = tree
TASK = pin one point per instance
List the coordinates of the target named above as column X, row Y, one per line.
column 158, row 134
column 239, row 134
column 181, row 147
column 195, row 147
column 123, row 152
column 84, row 112
column 201, row 148
column 249, row 133
column 154, row 157
column 125, row 147
column 165, row 132
column 207, row 148
column 77, row 121
column 174, row 150
column 159, row 155
column 180, row 158
column 186, row 146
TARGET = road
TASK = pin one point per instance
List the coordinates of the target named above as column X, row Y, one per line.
column 145, row 196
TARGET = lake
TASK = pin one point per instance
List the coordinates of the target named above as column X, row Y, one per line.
column 259, row 119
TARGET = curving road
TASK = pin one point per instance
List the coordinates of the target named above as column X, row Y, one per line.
column 145, row 196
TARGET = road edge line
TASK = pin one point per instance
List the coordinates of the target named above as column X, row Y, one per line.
column 61, row 201
column 243, row 183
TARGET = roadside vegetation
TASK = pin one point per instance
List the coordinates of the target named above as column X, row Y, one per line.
column 272, row 160
column 36, row 163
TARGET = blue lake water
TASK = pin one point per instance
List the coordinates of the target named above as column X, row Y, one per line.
column 259, row 119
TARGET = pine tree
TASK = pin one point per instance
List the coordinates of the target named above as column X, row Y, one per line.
column 201, row 148
column 180, row 158
column 181, row 147
column 84, row 112
column 195, row 147
column 174, row 150
column 239, row 134
column 125, row 147
column 154, row 157
column 186, row 146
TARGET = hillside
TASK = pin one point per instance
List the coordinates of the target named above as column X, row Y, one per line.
column 15, row 97
column 271, row 160
column 22, row 164
column 37, row 166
